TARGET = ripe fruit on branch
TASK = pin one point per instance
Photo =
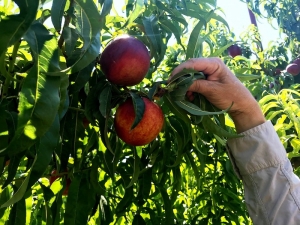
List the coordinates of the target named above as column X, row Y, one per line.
column 85, row 123
column 53, row 178
column 277, row 71
column 125, row 61
column 297, row 61
column 146, row 130
column 293, row 69
column 234, row 50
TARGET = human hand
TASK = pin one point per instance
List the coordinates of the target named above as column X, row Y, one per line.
column 222, row 88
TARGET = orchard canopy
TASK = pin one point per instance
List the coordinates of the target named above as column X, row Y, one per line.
column 65, row 153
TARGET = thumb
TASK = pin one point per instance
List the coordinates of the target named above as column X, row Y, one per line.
column 203, row 87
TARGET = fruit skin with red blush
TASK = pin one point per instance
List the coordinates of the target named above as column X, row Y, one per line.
column 54, row 178
column 146, row 130
column 293, row 69
column 234, row 50
column 85, row 122
column 125, row 61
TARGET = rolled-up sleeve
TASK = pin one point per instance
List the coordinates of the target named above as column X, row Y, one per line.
column 272, row 190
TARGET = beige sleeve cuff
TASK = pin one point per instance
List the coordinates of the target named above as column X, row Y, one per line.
column 258, row 149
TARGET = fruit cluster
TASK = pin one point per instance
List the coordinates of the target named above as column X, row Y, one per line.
column 125, row 62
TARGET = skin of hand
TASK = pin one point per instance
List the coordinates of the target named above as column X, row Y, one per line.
column 222, row 88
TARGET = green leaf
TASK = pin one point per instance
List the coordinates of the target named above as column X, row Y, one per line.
column 3, row 129
column 46, row 147
column 138, row 9
column 80, row 201
column 139, row 109
column 125, row 201
column 246, row 77
column 194, row 50
column 173, row 28
column 82, row 77
column 195, row 110
column 57, row 12
column 16, row 25
column 221, row 19
column 174, row 14
column 176, row 109
column 39, row 96
column 136, row 169
column 180, row 74
column 169, row 215
column 153, row 90
column 100, row 190
column 4, row 197
column 89, row 29
column 153, row 215
column 104, row 101
column 221, row 50
column 213, row 128
column 17, row 214
column 144, row 186
column 13, row 167
column 138, row 220
column 70, row 36
column 153, row 34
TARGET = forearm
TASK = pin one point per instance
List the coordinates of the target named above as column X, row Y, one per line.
column 272, row 190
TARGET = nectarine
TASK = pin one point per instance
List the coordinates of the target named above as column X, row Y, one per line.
column 234, row 50
column 125, row 61
column 146, row 130
column 293, row 69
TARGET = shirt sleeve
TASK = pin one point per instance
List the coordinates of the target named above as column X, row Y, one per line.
column 272, row 190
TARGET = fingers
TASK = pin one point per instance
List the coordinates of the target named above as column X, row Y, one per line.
column 201, row 86
column 208, row 66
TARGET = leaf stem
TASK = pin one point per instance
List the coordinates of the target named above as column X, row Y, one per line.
column 76, row 109
column 66, row 24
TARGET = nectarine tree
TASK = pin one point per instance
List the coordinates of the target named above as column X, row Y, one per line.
column 84, row 85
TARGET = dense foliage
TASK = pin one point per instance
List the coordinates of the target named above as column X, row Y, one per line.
column 57, row 110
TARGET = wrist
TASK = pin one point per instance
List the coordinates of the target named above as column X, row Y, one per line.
column 246, row 120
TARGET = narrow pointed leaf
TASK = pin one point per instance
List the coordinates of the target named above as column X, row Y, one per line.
column 104, row 101
column 213, row 128
column 221, row 50
column 46, row 147
column 39, row 96
column 246, row 77
column 138, row 220
column 176, row 109
column 16, row 25
column 195, row 110
column 17, row 214
column 136, row 169
column 139, row 108
column 80, row 201
column 193, row 46
column 57, row 12
column 139, row 4
column 89, row 29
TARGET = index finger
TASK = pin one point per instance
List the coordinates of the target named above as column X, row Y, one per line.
column 208, row 66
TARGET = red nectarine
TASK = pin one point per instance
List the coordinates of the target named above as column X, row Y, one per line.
column 234, row 50
column 146, row 130
column 293, row 69
column 125, row 61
